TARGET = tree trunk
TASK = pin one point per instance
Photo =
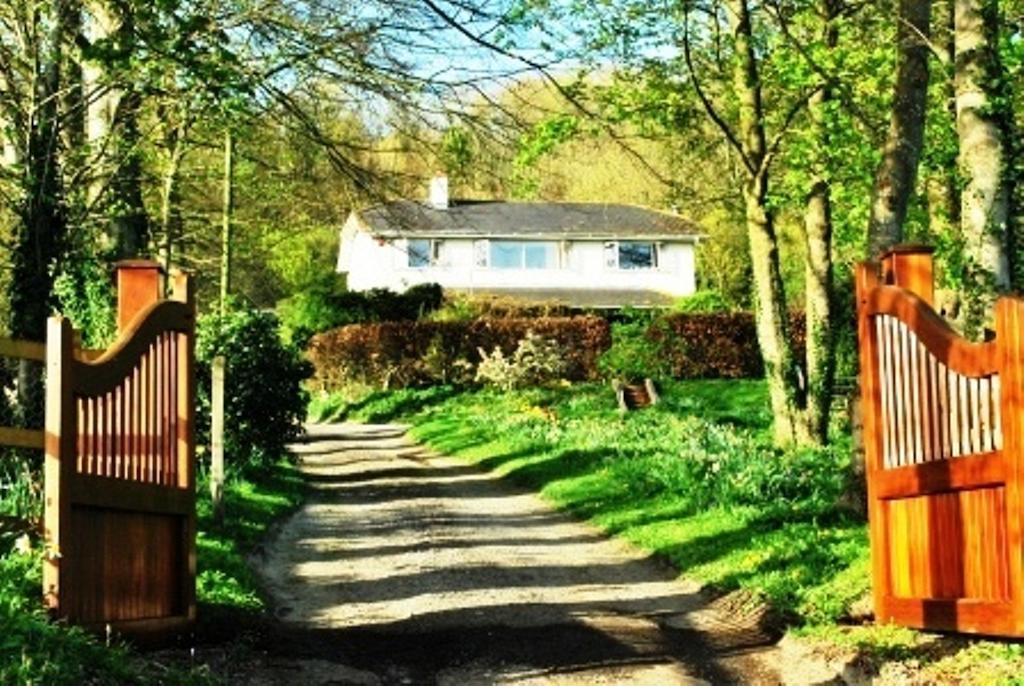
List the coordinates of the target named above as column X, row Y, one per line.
column 894, row 180
column 769, row 297
column 43, row 225
column 112, row 129
column 984, row 209
column 228, row 211
column 170, row 195
column 818, row 296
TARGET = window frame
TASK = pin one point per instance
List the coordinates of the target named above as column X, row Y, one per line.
column 616, row 250
column 432, row 253
column 550, row 248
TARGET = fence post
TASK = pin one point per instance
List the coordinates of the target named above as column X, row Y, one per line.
column 1010, row 342
column 60, row 453
column 138, row 287
column 867, row 279
column 910, row 267
column 217, row 439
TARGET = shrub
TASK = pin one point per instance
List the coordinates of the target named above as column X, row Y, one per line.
column 535, row 362
column 264, row 399
column 326, row 304
column 392, row 354
column 88, row 298
column 466, row 307
column 716, row 345
column 702, row 301
column 635, row 353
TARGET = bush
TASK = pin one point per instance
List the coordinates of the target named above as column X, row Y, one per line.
column 326, row 304
column 702, row 302
column 464, row 307
column 393, row 354
column 716, row 345
column 635, row 353
column 536, row 361
column 264, row 399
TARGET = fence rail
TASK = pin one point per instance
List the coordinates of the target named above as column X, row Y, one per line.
column 944, row 431
column 20, row 437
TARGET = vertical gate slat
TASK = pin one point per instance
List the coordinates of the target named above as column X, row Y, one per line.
column 899, row 403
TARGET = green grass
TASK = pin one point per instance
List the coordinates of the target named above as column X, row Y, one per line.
column 251, row 506
column 35, row 650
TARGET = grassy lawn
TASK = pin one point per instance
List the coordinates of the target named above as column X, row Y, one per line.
column 696, row 481
column 34, row 650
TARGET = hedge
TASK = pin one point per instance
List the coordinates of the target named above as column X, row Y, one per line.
column 721, row 345
column 396, row 354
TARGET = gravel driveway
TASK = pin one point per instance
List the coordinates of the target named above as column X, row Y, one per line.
column 410, row 567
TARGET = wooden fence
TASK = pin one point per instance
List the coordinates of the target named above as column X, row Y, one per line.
column 120, row 464
column 943, row 439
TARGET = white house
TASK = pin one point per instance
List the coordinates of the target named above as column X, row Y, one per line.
column 581, row 254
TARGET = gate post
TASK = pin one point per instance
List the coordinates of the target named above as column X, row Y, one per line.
column 910, row 267
column 867, row 279
column 59, row 465
column 183, row 290
column 1010, row 342
column 138, row 287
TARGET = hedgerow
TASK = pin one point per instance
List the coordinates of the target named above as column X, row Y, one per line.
column 410, row 353
column 395, row 354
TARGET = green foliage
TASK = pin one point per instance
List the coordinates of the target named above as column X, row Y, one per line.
column 264, row 399
column 634, row 354
column 535, row 362
column 224, row 578
column 87, row 297
column 701, row 302
column 326, row 304
column 34, row 650
column 457, row 153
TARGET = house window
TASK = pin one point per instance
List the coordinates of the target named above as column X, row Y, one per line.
column 523, row 255
column 421, row 252
column 631, row 255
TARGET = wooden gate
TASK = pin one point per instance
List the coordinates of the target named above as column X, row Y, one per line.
column 120, row 464
column 943, row 440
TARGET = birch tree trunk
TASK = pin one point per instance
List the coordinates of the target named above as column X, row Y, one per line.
column 226, row 218
column 769, row 297
column 985, row 197
column 820, row 354
column 894, row 180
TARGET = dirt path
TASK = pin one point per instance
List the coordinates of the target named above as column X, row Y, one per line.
column 407, row 567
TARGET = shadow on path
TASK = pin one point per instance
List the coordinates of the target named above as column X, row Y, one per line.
column 420, row 569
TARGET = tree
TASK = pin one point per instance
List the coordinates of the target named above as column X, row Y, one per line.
column 894, row 179
column 981, row 122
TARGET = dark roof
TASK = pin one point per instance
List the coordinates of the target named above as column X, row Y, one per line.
column 484, row 219
column 582, row 298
